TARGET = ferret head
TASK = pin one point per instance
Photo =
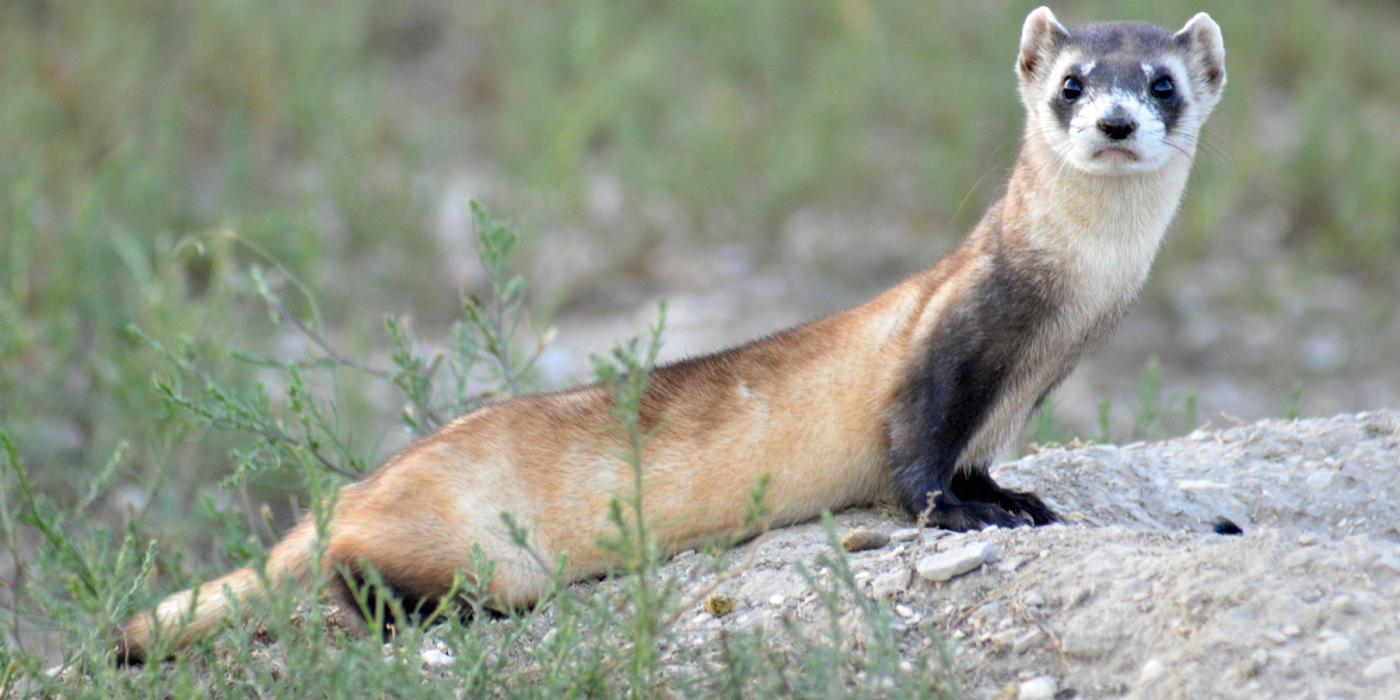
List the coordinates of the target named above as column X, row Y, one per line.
column 1115, row 98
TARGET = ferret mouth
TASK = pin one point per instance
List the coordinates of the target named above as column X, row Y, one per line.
column 1117, row 154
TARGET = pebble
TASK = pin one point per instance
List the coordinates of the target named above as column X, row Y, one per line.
column 1343, row 605
column 432, row 658
column 1335, row 646
column 1151, row 671
column 1089, row 643
column 1380, row 668
column 1387, row 563
column 1042, row 688
column 954, row 562
column 1033, row 598
column 1011, row 564
column 906, row 534
column 1259, row 658
column 1319, row 480
column 904, row 611
column 1002, row 640
column 1025, row 641
column 890, row 584
column 718, row 605
column 776, row 600
column 863, row 539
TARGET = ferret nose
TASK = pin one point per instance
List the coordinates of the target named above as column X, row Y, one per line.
column 1117, row 126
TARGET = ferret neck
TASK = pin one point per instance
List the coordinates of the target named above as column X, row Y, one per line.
column 1062, row 207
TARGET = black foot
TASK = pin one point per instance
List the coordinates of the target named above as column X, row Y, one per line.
column 1029, row 505
column 977, row 485
column 972, row 515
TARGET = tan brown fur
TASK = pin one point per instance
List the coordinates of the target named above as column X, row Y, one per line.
column 815, row 409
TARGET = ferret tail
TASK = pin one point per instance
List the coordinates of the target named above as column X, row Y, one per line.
column 189, row 615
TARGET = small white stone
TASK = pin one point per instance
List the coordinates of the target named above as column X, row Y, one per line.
column 906, row 534
column 904, row 611
column 1002, row 639
column 1033, row 597
column 1088, row 643
column 1042, row 688
column 1151, row 671
column 932, row 535
column 1292, row 630
column 1025, row 641
column 776, row 600
column 1319, row 480
column 1307, row 539
column 890, row 584
column 1009, row 565
column 954, row 562
column 1387, row 563
column 1380, row 668
column 432, row 658
column 1335, row 646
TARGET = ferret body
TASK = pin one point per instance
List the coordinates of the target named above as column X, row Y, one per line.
column 909, row 396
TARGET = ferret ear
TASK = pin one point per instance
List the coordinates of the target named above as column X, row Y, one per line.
column 1042, row 36
column 1204, row 48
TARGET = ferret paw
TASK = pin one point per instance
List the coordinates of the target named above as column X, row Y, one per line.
column 973, row 515
column 1029, row 505
column 977, row 486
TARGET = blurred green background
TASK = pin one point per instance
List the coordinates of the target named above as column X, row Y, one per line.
column 758, row 162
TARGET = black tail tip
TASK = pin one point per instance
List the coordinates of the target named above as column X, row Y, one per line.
column 1226, row 526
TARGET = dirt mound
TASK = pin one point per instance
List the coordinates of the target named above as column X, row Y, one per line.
column 1136, row 595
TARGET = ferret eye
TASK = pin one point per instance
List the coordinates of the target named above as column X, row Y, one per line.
column 1163, row 89
column 1072, row 89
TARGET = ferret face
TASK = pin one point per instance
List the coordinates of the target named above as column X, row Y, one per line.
column 1119, row 97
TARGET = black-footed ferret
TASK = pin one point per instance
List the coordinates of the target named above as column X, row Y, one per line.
column 910, row 395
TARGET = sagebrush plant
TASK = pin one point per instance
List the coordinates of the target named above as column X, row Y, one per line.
column 75, row 582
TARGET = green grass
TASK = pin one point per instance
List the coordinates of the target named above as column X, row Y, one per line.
column 174, row 168
column 80, row 582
